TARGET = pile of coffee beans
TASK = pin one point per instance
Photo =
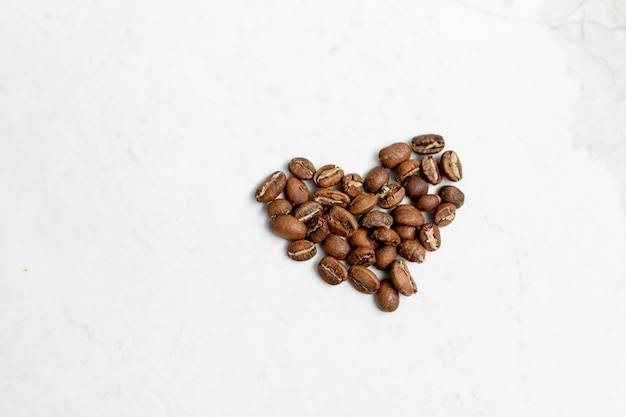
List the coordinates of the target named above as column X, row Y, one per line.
column 362, row 222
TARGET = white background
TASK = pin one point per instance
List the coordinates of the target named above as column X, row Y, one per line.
column 137, row 273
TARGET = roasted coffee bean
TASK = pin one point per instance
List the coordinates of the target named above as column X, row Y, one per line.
column 336, row 246
column 406, row 169
column 363, row 279
column 415, row 186
column 301, row 168
column 361, row 256
column 412, row 251
column 394, row 154
column 385, row 255
column 331, row 197
column 386, row 236
column 308, row 210
column 332, row 270
column 444, row 214
column 375, row 179
column 352, row 184
column 451, row 194
column 430, row 170
column 362, row 238
column 278, row 207
column 363, row 203
column 451, row 166
column 376, row 218
column 429, row 236
column 427, row 144
column 327, row 176
column 288, row 227
column 405, row 232
column 296, row 191
column 387, row 298
column 301, row 250
column 408, row 215
column 428, row 202
column 271, row 187
column 391, row 195
column 341, row 221
column 401, row 278
column 317, row 229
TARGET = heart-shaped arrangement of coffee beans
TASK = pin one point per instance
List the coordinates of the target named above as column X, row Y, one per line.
column 339, row 212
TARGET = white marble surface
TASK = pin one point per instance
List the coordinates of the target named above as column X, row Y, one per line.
column 138, row 276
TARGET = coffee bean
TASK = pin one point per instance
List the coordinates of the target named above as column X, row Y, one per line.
column 429, row 236
column 407, row 169
column 415, row 186
column 384, row 256
column 331, row 197
column 308, row 210
column 451, row 194
column 362, row 238
column 301, row 250
column 361, row 256
column 336, row 246
column 317, row 229
column 296, row 191
column 288, row 227
column 387, row 298
column 401, row 278
column 363, row 279
column 332, row 270
column 394, row 154
column 271, row 187
column 405, row 232
column 327, row 176
column 301, row 168
column 391, row 195
column 428, row 202
column 278, row 207
column 427, row 144
column 430, row 170
column 451, row 166
column 363, row 203
column 412, row 251
column 444, row 214
column 375, row 179
column 352, row 184
column 376, row 218
column 341, row 221
column 386, row 236
column 408, row 215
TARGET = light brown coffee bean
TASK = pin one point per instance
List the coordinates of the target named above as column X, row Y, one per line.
column 415, row 186
column 352, row 184
column 362, row 238
column 444, row 214
column 341, row 221
column 394, row 154
column 375, row 179
column 271, row 187
column 363, row 203
column 405, row 232
column 288, row 227
column 451, row 166
column 327, row 176
column 301, row 168
column 406, row 169
column 412, row 251
column 278, row 207
column 308, row 210
column 336, row 246
column 317, row 229
column 408, row 215
column 391, row 195
column 361, row 256
column 301, row 250
column 428, row 202
column 401, row 278
column 385, row 255
column 451, row 194
column 427, row 144
column 296, row 191
column 331, row 197
column 363, row 279
column 386, row 236
column 332, row 270
column 376, row 218
column 387, row 298
column 429, row 236
column 430, row 170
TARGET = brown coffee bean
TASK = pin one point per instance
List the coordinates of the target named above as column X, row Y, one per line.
column 412, row 251
column 385, row 255
column 408, row 215
column 301, row 168
column 375, row 179
column 451, row 166
column 430, row 170
column 427, row 144
column 327, row 176
column 332, row 270
column 288, row 227
column 336, row 246
column 363, row 279
column 317, row 229
column 308, row 210
column 415, row 186
column 296, row 191
column 271, row 187
column 341, row 221
column 405, row 232
column 394, row 154
column 331, row 197
column 428, row 202
column 352, row 184
column 406, row 169
column 451, row 194
column 363, row 203
column 386, row 236
column 391, row 195
column 444, row 214
column 387, row 298
column 301, row 250
column 361, row 256
column 401, row 278
column 278, row 207
column 361, row 238
column 376, row 218
column 429, row 237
